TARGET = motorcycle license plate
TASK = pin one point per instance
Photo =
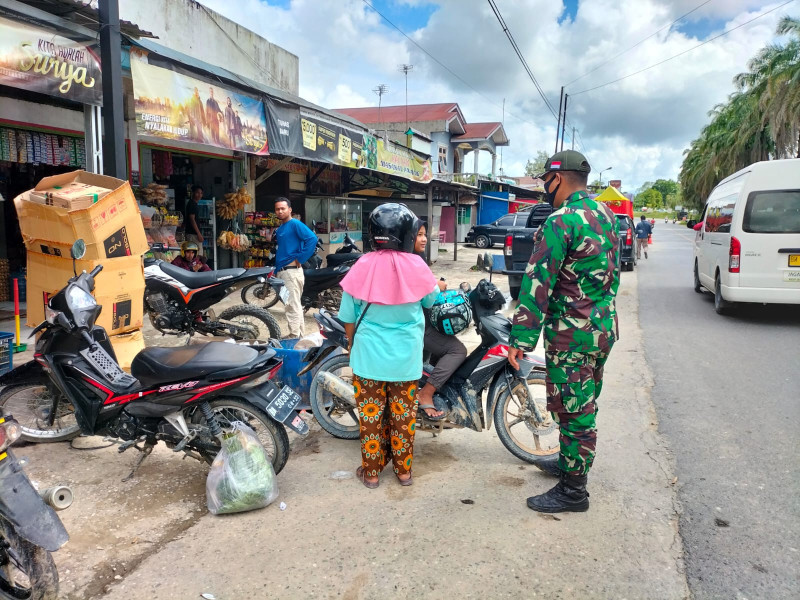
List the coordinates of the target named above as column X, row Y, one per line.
column 283, row 294
column 794, row 260
column 283, row 405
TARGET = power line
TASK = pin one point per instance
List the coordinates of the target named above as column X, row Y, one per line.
column 521, row 57
column 639, row 43
column 716, row 37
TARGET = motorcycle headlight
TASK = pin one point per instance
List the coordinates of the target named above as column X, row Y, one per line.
column 10, row 432
column 79, row 298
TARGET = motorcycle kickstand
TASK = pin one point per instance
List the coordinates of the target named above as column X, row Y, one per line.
column 145, row 452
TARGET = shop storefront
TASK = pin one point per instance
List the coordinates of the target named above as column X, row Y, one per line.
column 46, row 83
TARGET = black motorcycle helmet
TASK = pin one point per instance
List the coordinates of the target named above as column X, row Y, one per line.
column 391, row 226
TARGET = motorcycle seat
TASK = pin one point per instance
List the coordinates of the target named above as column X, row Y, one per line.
column 172, row 364
column 334, row 260
column 321, row 273
column 194, row 280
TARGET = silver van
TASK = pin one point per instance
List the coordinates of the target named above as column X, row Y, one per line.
column 748, row 248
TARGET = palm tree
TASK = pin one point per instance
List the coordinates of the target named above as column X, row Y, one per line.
column 760, row 120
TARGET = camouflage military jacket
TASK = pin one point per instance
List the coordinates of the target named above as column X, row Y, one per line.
column 571, row 281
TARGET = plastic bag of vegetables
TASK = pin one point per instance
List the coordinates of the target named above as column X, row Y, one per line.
column 241, row 477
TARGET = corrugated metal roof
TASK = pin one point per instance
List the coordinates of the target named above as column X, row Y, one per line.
column 397, row 114
column 85, row 14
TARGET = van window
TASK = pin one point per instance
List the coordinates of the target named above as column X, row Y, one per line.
column 772, row 212
column 720, row 216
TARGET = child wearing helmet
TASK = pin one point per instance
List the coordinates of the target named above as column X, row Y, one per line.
column 189, row 259
column 384, row 294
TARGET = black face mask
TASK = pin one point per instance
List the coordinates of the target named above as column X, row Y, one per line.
column 551, row 195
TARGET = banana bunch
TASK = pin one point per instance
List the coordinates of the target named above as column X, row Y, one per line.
column 238, row 242
column 233, row 203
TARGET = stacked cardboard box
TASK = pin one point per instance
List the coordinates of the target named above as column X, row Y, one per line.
column 63, row 209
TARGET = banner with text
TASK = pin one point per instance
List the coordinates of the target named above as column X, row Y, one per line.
column 39, row 60
column 283, row 125
column 397, row 160
column 326, row 142
column 173, row 106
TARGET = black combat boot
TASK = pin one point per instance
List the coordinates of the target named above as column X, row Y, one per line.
column 549, row 464
column 569, row 495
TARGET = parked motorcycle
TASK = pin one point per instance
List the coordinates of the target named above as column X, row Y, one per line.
column 29, row 529
column 321, row 288
column 185, row 396
column 178, row 301
column 516, row 400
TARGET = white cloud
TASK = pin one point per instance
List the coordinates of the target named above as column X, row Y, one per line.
column 639, row 125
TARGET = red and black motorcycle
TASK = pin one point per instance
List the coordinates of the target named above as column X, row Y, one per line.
column 516, row 400
column 184, row 396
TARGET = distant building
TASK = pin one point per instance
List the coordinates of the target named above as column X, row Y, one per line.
column 439, row 130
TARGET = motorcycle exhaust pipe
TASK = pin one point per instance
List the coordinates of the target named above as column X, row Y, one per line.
column 337, row 386
column 58, row 497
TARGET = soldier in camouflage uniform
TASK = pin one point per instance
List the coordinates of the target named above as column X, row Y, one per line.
column 569, row 288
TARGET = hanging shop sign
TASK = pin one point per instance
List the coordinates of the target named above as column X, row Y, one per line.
column 397, row 160
column 324, row 141
column 36, row 59
column 173, row 106
column 283, row 125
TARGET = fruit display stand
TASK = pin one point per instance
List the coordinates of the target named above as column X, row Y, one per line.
column 259, row 228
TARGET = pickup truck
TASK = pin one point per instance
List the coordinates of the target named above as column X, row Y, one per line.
column 518, row 247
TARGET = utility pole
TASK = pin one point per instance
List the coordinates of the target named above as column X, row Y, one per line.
column 564, row 120
column 114, row 163
column 503, row 121
column 560, row 106
column 573, row 138
column 381, row 90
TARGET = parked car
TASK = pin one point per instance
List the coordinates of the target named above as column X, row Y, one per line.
column 518, row 246
column 486, row 236
column 627, row 243
column 748, row 248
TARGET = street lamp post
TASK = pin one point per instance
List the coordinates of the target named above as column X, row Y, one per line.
column 601, row 175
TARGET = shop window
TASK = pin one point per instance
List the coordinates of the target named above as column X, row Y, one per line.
column 317, row 214
column 464, row 215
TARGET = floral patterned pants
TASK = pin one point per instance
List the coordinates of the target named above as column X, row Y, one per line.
column 387, row 414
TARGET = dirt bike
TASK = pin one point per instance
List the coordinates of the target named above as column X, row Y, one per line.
column 516, row 400
column 29, row 529
column 185, row 396
column 179, row 301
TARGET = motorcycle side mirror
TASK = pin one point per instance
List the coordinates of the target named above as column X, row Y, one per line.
column 691, row 223
column 77, row 252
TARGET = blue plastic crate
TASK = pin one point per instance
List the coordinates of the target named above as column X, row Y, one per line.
column 6, row 352
column 293, row 361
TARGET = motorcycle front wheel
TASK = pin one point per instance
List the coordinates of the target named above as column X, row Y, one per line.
column 521, row 432
column 261, row 324
column 26, row 570
column 334, row 414
column 260, row 294
column 30, row 404
column 272, row 435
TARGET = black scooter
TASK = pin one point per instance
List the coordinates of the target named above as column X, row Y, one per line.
column 184, row 396
column 29, row 529
column 515, row 400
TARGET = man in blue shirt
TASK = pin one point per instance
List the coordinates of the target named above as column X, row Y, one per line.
column 296, row 244
column 643, row 231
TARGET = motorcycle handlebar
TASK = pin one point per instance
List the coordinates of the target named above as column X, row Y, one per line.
column 96, row 271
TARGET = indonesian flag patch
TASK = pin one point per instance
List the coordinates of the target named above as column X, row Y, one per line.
column 555, row 165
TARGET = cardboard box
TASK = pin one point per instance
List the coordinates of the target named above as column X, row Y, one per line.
column 119, row 288
column 126, row 347
column 72, row 196
column 111, row 228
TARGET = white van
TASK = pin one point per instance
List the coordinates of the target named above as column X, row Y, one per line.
column 748, row 249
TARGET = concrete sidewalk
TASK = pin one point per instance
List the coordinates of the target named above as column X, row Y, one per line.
column 462, row 530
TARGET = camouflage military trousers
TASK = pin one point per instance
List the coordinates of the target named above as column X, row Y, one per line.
column 574, row 382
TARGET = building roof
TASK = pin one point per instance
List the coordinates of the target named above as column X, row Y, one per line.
column 483, row 131
column 83, row 13
column 448, row 112
column 529, row 182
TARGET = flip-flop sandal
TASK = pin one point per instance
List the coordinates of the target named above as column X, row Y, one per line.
column 430, row 418
column 409, row 481
column 362, row 476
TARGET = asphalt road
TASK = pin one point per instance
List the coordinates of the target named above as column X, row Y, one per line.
column 726, row 395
